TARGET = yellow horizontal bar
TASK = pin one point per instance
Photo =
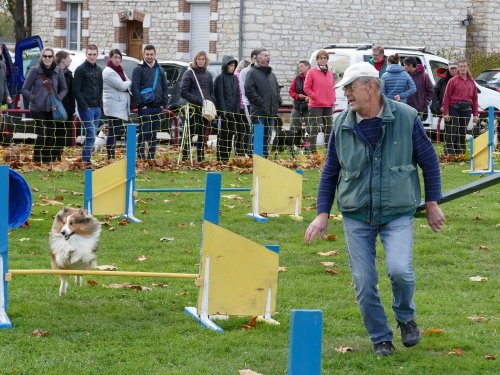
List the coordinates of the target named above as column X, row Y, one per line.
column 105, row 273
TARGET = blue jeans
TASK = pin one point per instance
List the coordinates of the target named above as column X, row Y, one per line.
column 150, row 118
column 90, row 122
column 268, row 123
column 397, row 239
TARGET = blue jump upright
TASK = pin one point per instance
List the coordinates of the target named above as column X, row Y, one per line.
column 306, row 328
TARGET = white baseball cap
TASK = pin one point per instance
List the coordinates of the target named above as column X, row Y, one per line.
column 358, row 70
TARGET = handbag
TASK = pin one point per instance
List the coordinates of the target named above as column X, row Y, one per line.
column 208, row 110
column 148, row 94
column 59, row 113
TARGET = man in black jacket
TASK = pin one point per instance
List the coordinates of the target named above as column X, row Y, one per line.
column 227, row 99
column 87, row 90
column 445, row 75
column 263, row 93
column 149, row 88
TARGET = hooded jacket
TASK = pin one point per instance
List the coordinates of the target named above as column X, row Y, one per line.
column 227, row 89
column 398, row 82
column 437, row 99
column 262, row 91
column 425, row 90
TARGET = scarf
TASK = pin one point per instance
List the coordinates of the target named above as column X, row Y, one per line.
column 118, row 69
column 48, row 71
column 324, row 68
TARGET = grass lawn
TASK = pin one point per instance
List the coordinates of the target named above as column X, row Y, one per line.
column 98, row 330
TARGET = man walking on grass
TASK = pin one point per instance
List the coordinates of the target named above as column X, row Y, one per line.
column 371, row 164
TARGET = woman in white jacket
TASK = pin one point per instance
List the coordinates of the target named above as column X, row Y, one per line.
column 116, row 99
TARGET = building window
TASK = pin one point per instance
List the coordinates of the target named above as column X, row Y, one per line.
column 74, row 34
column 200, row 27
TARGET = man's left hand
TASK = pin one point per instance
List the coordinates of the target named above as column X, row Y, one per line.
column 475, row 119
column 435, row 216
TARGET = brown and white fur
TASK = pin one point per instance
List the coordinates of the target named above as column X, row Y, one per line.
column 73, row 242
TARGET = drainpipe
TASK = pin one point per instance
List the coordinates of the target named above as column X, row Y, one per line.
column 240, row 39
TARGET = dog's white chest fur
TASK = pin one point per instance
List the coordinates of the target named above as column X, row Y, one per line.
column 76, row 249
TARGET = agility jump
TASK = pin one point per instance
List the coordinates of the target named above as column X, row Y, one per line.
column 238, row 277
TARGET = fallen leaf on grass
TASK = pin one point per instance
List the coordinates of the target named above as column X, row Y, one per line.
column 144, row 212
column 330, row 237
column 229, row 206
column 24, row 239
column 91, row 283
column 478, row 318
column 40, row 333
column 107, row 267
column 335, row 217
column 432, row 331
column 123, row 222
column 76, row 193
column 490, row 356
column 251, row 323
column 282, row 269
column 163, row 239
column 145, row 231
column 248, row 372
column 332, row 271
column 478, row 278
column 482, row 247
column 329, row 253
column 343, row 349
column 111, row 229
column 59, row 198
column 182, row 294
column 234, row 197
column 456, row 351
column 48, row 202
column 159, row 285
column 142, row 258
column 328, row 264
column 128, row 286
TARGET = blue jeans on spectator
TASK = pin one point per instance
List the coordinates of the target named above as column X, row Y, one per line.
column 89, row 118
column 150, row 118
column 268, row 123
column 397, row 239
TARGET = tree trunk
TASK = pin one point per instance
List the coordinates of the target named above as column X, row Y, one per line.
column 29, row 18
column 19, row 20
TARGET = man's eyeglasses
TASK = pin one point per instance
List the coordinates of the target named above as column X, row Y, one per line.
column 48, row 56
column 91, row 54
column 350, row 87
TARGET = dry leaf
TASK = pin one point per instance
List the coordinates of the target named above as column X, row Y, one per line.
column 478, row 278
column 111, row 229
column 432, row 331
column 107, row 267
column 40, row 333
column 478, row 318
column 191, row 224
column 330, row 237
column 163, row 239
column 229, row 206
column 482, row 247
column 128, row 286
column 144, row 212
column 59, row 198
column 145, row 231
column 182, row 225
column 91, row 283
column 142, row 258
column 332, row 271
column 328, row 264
column 251, row 323
column 329, row 253
column 182, row 294
column 248, row 372
column 123, row 222
column 48, row 202
column 282, row 269
column 335, row 217
column 24, row 239
column 343, row 349
column 456, row 351
column 490, row 356
column 160, row 285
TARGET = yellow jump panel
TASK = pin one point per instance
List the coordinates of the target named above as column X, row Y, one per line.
column 481, row 155
column 279, row 187
column 109, row 189
column 241, row 273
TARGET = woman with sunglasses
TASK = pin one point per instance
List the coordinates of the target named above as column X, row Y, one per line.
column 43, row 79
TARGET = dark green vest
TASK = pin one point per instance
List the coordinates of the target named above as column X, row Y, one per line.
column 377, row 190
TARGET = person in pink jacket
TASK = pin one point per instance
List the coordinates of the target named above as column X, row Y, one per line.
column 319, row 86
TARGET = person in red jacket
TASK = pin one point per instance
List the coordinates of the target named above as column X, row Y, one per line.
column 459, row 101
column 319, row 86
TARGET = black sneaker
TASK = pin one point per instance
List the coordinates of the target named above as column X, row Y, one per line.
column 383, row 348
column 409, row 333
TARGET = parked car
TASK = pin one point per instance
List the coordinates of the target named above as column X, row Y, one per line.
column 490, row 79
column 344, row 55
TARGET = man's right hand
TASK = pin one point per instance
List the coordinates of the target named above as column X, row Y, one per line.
column 317, row 228
column 446, row 118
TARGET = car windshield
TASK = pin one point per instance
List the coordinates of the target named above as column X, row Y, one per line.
column 490, row 76
column 31, row 57
column 173, row 73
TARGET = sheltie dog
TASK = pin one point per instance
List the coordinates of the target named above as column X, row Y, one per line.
column 73, row 242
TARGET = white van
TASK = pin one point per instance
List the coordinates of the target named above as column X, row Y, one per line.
column 344, row 55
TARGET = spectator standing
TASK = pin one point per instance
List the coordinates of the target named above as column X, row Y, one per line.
column 149, row 75
column 243, row 130
column 319, row 87
column 44, row 79
column 372, row 166
column 444, row 76
column 4, row 88
column 64, row 128
column 459, row 101
column 263, row 93
column 227, row 99
column 398, row 84
column 425, row 89
column 191, row 92
column 243, row 77
column 87, row 89
column 116, row 99
column 378, row 59
column 300, row 110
